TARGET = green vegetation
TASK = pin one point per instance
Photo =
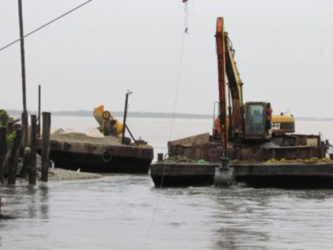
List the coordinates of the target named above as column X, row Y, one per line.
column 178, row 158
column 11, row 136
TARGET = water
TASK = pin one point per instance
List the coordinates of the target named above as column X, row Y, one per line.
column 127, row 212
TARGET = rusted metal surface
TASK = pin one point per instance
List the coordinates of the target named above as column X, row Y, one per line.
column 285, row 175
column 98, row 156
column 182, row 174
column 287, row 146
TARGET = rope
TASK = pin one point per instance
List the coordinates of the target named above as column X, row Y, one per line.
column 180, row 68
column 179, row 74
column 155, row 211
column 178, row 80
column 47, row 24
column 322, row 55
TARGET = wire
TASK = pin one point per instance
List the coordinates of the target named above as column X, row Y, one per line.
column 179, row 74
column 47, row 24
column 155, row 209
column 177, row 85
column 322, row 54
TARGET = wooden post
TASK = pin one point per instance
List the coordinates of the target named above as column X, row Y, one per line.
column 3, row 151
column 39, row 109
column 33, row 152
column 12, row 165
column 24, row 140
column 26, row 162
column 10, row 127
column 25, row 113
column 46, row 145
column 4, row 120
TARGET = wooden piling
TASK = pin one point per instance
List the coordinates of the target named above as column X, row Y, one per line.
column 4, row 121
column 26, row 162
column 33, row 151
column 12, row 164
column 3, row 151
column 10, row 127
column 46, row 145
column 23, row 72
column 39, row 109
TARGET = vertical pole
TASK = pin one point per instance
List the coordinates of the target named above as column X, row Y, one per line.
column 26, row 162
column 12, row 166
column 33, row 146
column 39, row 109
column 46, row 145
column 24, row 114
column 125, row 116
column 3, row 151
column 3, row 145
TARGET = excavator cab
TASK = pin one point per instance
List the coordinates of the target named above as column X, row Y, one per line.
column 255, row 121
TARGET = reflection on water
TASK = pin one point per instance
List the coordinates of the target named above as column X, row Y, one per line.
column 126, row 212
column 30, row 201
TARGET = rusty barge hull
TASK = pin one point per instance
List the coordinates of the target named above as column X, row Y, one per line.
column 259, row 175
column 100, row 157
column 293, row 146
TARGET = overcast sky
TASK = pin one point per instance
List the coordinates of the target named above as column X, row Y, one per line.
column 283, row 50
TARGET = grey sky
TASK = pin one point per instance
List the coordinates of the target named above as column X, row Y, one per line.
column 94, row 55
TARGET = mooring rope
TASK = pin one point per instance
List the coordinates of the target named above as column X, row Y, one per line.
column 322, row 55
column 46, row 24
column 179, row 74
column 178, row 81
column 180, row 67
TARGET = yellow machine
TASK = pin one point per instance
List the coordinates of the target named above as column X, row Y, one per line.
column 282, row 124
column 108, row 125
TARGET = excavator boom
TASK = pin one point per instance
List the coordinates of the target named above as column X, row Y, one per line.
column 235, row 85
column 220, row 49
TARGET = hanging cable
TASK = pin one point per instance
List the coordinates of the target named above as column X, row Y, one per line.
column 47, row 24
column 170, row 134
column 179, row 74
column 322, row 55
column 178, row 80
column 180, row 68
column 186, row 17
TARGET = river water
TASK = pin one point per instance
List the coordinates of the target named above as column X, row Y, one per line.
column 128, row 212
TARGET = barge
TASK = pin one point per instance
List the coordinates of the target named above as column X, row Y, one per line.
column 98, row 154
column 248, row 143
column 259, row 175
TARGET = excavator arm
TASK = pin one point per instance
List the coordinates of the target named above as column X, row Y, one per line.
column 236, row 88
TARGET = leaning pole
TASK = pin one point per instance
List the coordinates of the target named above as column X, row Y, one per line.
column 25, row 113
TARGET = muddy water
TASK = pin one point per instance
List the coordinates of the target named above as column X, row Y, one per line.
column 127, row 212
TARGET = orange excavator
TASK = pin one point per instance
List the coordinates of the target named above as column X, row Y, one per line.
column 241, row 133
column 240, row 121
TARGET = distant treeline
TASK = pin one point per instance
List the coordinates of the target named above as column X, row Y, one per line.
column 120, row 114
column 151, row 115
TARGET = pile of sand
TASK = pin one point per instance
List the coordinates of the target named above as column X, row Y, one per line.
column 58, row 174
column 92, row 136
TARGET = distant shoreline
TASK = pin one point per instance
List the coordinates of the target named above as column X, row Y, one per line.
column 85, row 113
